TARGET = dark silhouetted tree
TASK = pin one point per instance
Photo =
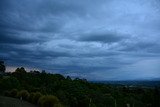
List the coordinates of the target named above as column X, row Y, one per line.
column 2, row 67
column 20, row 70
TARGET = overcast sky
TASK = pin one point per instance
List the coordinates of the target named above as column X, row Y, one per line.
column 93, row 39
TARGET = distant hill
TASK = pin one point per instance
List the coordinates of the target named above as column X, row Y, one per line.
column 146, row 83
column 13, row 102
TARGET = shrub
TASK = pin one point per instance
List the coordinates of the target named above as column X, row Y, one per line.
column 36, row 97
column 23, row 94
column 49, row 101
column 13, row 93
column 30, row 98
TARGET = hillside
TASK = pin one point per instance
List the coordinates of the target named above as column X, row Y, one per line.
column 13, row 102
column 42, row 88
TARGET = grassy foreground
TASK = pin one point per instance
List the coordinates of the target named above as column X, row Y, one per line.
column 13, row 102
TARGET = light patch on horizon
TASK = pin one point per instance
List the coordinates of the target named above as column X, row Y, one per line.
column 13, row 68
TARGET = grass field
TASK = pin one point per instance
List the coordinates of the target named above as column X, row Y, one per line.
column 12, row 102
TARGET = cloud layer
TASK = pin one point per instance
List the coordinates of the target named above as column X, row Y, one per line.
column 97, row 40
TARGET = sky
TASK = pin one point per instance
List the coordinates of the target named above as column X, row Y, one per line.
column 92, row 39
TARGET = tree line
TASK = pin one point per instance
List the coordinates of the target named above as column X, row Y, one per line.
column 54, row 90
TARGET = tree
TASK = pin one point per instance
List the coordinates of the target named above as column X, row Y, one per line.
column 13, row 93
column 48, row 101
column 2, row 67
column 19, row 73
column 24, row 94
column 156, row 97
column 9, row 83
column 20, row 70
column 36, row 97
column 68, row 78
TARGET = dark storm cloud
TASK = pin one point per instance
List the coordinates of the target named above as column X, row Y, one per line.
column 11, row 38
column 31, row 17
column 92, row 39
column 17, row 52
column 102, row 37
column 141, row 46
